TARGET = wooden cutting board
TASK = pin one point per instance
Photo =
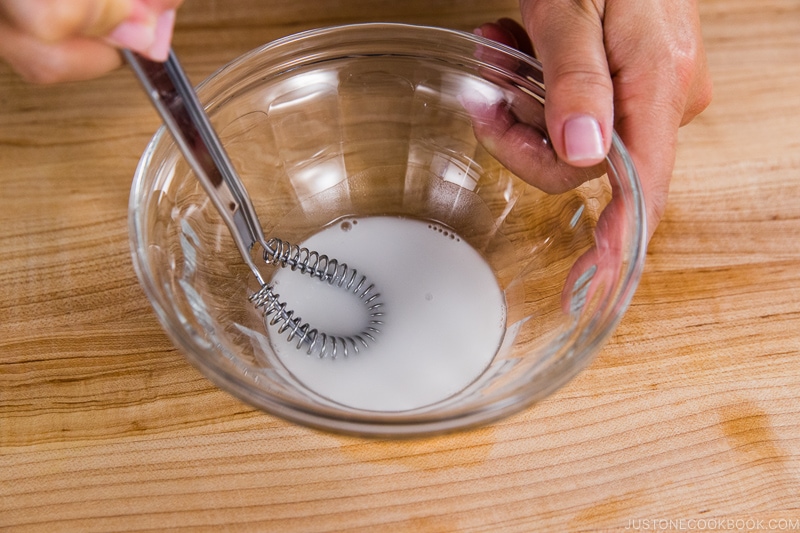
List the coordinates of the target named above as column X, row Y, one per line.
column 688, row 419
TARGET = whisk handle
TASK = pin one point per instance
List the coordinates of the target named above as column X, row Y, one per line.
column 174, row 98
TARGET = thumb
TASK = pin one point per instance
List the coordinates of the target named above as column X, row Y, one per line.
column 55, row 20
column 579, row 106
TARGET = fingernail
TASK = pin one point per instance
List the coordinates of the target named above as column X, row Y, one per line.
column 135, row 36
column 159, row 50
column 583, row 140
column 478, row 32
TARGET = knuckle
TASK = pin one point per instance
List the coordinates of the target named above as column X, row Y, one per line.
column 699, row 100
column 684, row 64
column 684, row 58
column 691, row 80
column 705, row 94
column 579, row 75
column 677, row 76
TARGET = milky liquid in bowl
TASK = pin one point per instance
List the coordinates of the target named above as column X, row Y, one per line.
column 444, row 315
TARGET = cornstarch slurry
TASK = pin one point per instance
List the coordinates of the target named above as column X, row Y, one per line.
column 444, row 315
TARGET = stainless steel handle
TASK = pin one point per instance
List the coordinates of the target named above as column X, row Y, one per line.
column 176, row 101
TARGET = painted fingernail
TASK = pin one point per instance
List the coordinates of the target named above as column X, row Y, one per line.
column 583, row 140
column 159, row 50
column 135, row 36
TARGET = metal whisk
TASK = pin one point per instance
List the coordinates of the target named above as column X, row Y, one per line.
column 174, row 98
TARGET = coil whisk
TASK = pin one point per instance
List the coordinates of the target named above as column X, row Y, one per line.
column 324, row 344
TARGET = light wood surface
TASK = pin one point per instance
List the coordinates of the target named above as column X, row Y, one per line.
column 691, row 412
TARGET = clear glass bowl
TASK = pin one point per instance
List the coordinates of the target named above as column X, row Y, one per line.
column 390, row 119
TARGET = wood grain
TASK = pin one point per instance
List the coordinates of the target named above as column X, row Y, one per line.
column 690, row 412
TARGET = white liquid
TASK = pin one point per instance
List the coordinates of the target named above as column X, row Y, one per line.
column 444, row 315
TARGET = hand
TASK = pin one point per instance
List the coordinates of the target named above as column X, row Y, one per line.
column 637, row 66
column 48, row 41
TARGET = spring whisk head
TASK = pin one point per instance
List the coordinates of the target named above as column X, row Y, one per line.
column 328, row 270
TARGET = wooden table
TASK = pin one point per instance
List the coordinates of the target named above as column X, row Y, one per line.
column 689, row 417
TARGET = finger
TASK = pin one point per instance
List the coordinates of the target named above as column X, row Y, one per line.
column 56, row 20
column 513, row 130
column 647, row 123
column 523, row 41
column 595, row 273
column 495, row 32
column 41, row 62
column 144, row 26
column 508, row 32
column 151, row 37
column 522, row 147
column 568, row 37
column 649, row 112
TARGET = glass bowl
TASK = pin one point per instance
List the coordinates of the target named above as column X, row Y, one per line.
column 397, row 122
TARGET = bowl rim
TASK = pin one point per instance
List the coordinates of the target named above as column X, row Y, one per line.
column 398, row 424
